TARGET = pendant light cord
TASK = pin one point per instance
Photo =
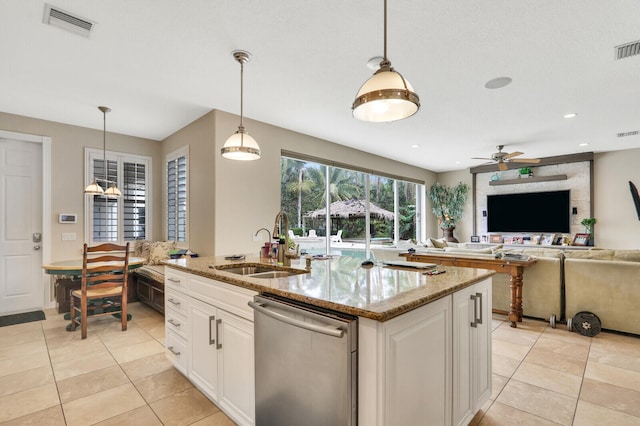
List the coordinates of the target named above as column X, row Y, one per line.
column 242, row 90
column 104, row 143
column 385, row 32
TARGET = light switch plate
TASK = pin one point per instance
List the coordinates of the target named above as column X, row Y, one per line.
column 68, row 236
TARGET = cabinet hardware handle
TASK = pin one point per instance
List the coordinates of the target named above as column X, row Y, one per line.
column 173, row 280
column 211, row 341
column 173, row 323
column 173, row 351
column 174, row 302
column 479, row 296
column 219, row 345
column 475, row 311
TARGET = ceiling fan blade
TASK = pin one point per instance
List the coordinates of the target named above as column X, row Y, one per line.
column 525, row 160
column 502, row 166
column 481, row 158
column 513, row 154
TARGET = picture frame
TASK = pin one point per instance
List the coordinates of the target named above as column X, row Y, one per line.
column 581, row 240
column 475, row 239
column 547, row 239
column 508, row 240
column 535, row 239
column 485, row 238
column 517, row 240
column 495, row 238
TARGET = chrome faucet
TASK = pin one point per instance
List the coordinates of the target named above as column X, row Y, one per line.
column 277, row 232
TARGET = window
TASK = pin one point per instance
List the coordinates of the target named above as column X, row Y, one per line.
column 393, row 212
column 121, row 219
column 177, row 195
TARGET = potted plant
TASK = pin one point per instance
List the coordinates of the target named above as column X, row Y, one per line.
column 447, row 205
column 525, row 172
column 588, row 223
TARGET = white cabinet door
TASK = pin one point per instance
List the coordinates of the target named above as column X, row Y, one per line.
column 482, row 345
column 236, row 367
column 471, row 350
column 418, row 366
column 203, row 340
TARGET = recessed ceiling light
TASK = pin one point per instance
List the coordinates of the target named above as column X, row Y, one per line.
column 583, row 144
column 415, row 146
column 571, row 115
column 498, row 83
column 457, row 162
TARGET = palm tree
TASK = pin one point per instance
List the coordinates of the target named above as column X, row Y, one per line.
column 343, row 184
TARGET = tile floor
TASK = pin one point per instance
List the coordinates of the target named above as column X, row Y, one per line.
column 541, row 376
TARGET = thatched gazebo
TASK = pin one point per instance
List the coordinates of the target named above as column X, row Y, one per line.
column 350, row 209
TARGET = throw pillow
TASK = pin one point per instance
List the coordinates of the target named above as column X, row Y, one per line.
column 440, row 243
column 159, row 251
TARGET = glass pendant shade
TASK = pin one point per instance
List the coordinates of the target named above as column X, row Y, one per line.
column 385, row 97
column 112, row 191
column 94, row 189
column 241, row 146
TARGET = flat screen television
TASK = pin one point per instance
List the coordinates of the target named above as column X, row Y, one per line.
column 529, row 212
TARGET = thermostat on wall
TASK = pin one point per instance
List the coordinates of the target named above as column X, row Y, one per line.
column 67, row 218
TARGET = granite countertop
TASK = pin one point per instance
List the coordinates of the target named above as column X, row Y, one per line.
column 342, row 284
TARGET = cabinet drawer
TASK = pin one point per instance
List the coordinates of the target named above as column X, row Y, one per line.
column 175, row 280
column 226, row 296
column 176, row 303
column 176, row 351
column 176, row 323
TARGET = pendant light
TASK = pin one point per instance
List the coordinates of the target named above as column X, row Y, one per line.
column 241, row 146
column 386, row 96
column 94, row 188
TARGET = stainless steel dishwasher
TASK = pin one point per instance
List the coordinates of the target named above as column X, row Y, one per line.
column 306, row 363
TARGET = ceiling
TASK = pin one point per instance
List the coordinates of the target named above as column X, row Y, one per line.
column 161, row 64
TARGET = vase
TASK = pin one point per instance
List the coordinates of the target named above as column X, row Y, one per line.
column 447, row 234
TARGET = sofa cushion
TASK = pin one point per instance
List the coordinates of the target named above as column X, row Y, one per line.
column 627, row 255
column 595, row 254
column 487, row 250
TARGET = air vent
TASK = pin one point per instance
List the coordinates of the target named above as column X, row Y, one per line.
column 59, row 18
column 625, row 134
column 627, row 50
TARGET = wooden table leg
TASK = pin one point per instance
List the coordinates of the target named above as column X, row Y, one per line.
column 515, row 306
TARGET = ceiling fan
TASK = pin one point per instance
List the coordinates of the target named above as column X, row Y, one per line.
column 502, row 158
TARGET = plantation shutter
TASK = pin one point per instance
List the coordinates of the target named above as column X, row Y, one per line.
column 105, row 210
column 134, row 199
column 177, row 199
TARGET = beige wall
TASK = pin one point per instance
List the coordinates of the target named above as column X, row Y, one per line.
column 248, row 193
column 67, row 169
column 618, row 225
column 464, row 228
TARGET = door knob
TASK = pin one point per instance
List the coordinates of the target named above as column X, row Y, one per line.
column 36, row 247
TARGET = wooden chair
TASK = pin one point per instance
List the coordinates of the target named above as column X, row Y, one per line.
column 103, row 289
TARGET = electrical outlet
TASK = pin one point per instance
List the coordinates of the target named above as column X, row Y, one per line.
column 68, row 236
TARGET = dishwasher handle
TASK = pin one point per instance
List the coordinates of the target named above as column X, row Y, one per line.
column 328, row 330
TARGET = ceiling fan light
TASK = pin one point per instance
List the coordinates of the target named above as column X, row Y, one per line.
column 386, row 96
column 241, row 146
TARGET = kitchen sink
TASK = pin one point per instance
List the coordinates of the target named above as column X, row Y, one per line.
column 247, row 270
column 260, row 271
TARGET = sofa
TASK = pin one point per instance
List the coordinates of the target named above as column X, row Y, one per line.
column 606, row 283
column 542, row 290
column 150, row 276
column 562, row 282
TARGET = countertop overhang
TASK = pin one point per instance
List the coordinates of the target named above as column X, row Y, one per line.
column 340, row 283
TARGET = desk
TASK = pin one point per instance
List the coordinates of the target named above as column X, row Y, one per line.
column 514, row 268
column 67, row 275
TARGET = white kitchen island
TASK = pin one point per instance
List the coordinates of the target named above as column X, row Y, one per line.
column 424, row 342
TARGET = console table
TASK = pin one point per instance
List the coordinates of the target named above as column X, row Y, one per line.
column 514, row 268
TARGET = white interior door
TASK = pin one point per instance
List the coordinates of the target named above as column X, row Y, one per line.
column 21, row 286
